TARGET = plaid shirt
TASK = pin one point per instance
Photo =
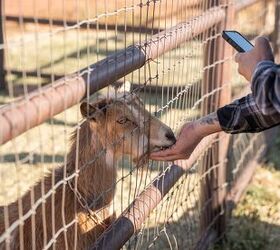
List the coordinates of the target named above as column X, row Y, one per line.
column 259, row 110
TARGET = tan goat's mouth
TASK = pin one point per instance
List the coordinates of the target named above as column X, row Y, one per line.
column 142, row 159
column 159, row 148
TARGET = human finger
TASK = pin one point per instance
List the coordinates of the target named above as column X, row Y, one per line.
column 263, row 46
column 169, row 157
column 262, row 41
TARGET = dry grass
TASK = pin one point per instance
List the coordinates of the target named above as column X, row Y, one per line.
column 255, row 224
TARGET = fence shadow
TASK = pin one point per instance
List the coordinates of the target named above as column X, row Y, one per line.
column 32, row 158
column 55, row 121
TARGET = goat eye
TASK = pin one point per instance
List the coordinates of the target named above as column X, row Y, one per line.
column 122, row 120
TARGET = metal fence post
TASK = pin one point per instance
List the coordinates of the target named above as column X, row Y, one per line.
column 2, row 69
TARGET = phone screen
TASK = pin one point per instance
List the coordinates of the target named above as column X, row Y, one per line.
column 242, row 42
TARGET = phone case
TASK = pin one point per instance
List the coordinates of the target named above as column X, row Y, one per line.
column 232, row 42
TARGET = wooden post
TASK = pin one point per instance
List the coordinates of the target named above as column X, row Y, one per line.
column 276, row 36
column 2, row 68
column 209, row 181
column 212, row 200
column 225, row 98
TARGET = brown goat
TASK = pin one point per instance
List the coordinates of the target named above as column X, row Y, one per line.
column 112, row 127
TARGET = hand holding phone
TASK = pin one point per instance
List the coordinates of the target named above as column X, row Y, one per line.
column 236, row 40
column 247, row 62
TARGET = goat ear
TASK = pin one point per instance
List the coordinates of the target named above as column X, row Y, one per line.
column 95, row 110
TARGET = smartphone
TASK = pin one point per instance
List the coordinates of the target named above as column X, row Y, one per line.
column 237, row 41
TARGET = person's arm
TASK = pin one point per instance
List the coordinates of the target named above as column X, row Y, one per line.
column 241, row 116
column 190, row 135
column 253, row 113
column 266, row 87
column 262, row 108
column 245, row 116
column 258, row 67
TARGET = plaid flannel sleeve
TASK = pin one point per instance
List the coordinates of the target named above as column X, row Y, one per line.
column 257, row 111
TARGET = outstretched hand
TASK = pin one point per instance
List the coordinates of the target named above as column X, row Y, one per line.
column 182, row 149
column 189, row 137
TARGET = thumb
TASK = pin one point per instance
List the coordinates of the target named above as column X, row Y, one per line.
column 263, row 47
column 261, row 41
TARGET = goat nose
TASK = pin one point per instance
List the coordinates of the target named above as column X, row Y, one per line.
column 170, row 136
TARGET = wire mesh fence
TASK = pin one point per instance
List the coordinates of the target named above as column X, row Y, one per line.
column 90, row 88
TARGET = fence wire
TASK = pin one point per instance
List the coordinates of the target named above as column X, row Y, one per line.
column 65, row 181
